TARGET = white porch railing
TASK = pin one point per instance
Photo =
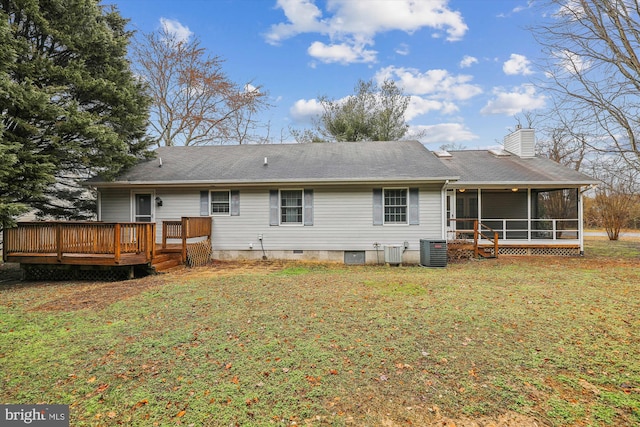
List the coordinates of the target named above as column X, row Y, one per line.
column 534, row 229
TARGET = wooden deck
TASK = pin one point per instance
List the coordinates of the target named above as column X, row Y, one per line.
column 101, row 244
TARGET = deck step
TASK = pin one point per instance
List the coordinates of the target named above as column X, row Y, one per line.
column 165, row 261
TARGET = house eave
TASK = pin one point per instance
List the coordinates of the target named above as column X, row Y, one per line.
column 270, row 183
column 519, row 184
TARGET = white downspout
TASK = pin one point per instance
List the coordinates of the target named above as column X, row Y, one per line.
column 529, row 214
column 581, row 221
column 443, row 210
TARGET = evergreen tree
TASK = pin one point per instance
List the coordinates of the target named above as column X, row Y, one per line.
column 372, row 113
column 71, row 107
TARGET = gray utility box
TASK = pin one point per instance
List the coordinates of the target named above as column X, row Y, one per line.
column 433, row 253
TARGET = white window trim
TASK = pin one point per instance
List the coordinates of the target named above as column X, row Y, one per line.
column 384, row 206
column 211, row 213
column 290, row 224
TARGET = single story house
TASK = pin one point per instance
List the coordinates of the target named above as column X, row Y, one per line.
column 348, row 201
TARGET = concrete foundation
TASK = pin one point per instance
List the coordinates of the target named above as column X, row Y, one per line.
column 370, row 257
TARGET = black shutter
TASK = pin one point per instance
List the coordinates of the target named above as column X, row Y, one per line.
column 204, row 203
column 414, row 206
column 234, row 206
column 308, row 207
column 274, row 208
column 378, row 209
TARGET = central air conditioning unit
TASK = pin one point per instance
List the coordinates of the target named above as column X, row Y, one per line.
column 393, row 254
column 433, row 253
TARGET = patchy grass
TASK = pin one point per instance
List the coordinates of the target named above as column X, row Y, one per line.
column 623, row 248
column 518, row 341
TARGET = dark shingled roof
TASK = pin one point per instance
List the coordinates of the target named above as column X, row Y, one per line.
column 314, row 162
column 484, row 168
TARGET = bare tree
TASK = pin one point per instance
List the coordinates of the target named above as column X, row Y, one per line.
column 560, row 137
column 615, row 196
column 245, row 128
column 194, row 101
column 592, row 62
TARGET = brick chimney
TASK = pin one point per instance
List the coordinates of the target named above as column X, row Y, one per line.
column 521, row 142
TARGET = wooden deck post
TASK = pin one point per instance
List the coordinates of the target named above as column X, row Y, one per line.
column 59, row 241
column 116, row 243
column 476, row 252
column 152, row 241
column 164, row 234
column 184, row 232
column 7, row 244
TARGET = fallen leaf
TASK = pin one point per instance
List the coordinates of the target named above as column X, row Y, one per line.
column 181, row 413
column 102, row 387
column 141, row 403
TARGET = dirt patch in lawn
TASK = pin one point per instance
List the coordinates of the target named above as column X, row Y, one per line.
column 508, row 419
column 80, row 295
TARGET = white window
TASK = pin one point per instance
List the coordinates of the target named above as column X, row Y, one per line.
column 395, row 205
column 220, row 203
column 291, row 207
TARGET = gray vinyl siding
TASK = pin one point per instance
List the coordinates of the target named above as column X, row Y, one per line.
column 343, row 220
column 115, row 205
column 175, row 205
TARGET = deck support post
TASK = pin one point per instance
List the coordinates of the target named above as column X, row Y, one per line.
column 59, row 241
column 116, row 243
column 476, row 251
column 185, row 232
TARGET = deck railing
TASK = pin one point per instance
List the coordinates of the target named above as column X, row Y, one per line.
column 535, row 229
column 73, row 237
column 184, row 229
column 477, row 232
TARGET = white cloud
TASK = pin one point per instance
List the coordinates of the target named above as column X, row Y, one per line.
column 435, row 84
column 442, row 133
column 403, row 49
column 304, row 110
column 468, row 61
column 303, row 16
column 356, row 23
column 180, row 32
column 571, row 62
column 517, row 9
column 517, row 64
column 342, row 53
column 520, row 99
column 419, row 106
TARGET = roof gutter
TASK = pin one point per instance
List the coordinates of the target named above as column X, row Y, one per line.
column 510, row 184
column 250, row 183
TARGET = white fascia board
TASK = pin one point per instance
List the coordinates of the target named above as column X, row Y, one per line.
column 245, row 183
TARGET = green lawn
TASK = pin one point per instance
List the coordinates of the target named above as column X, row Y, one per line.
column 552, row 341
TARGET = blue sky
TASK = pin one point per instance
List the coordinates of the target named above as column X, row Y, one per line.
column 467, row 64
